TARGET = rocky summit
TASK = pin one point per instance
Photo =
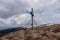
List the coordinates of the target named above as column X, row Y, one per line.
column 50, row 32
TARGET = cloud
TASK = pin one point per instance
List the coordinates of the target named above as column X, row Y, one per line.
column 16, row 12
column 21, row 18
column 10, row 8
column 15, row 21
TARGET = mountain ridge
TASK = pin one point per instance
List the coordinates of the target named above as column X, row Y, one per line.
column 51, row 32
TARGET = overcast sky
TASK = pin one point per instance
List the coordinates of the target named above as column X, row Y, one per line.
column 16, row 12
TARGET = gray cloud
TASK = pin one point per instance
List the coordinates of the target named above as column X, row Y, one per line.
column 9, row 8
column 11, row 11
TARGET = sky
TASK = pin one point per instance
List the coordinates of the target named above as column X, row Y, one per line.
column 15, row 13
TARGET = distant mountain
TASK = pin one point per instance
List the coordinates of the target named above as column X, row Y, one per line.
column 6, row 31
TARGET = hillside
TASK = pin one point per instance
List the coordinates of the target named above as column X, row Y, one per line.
column 50, row 32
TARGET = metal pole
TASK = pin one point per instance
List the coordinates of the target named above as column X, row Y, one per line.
column 32, row 15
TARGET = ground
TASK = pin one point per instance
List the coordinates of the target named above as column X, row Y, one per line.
column 51, row 32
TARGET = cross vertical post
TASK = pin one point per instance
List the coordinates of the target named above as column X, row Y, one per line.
column 32, row 15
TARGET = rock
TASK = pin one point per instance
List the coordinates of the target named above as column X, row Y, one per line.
column 34, row 33
column 4, row 38
column 41, row 32
column 27, row 33
column 50, row 34
column 53, row 39
column 57, row 35
column 45, row 38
